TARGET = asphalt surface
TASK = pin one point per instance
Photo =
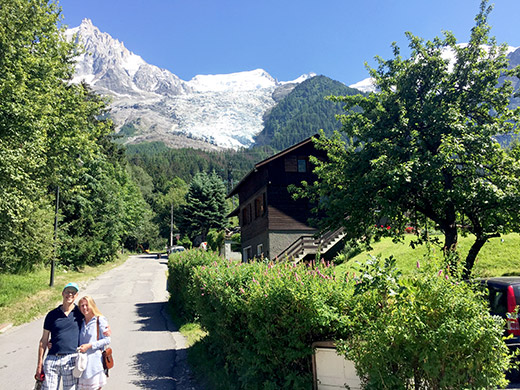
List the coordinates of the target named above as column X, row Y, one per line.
column 148, row 351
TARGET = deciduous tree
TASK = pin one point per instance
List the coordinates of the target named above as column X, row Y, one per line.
column 424, row 147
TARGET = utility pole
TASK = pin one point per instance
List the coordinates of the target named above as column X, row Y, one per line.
column 230, row 183
column 171, row 226
column 51, row 283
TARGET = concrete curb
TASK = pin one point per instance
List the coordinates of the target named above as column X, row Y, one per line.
column 4, row 327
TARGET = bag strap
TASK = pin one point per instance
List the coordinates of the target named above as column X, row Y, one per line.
column 97, row 323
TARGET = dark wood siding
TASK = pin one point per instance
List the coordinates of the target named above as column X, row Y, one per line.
column 258, row 213
column 278, row 211
column 253, row 185
column 285, row 213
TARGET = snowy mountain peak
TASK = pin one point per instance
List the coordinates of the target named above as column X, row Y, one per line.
column 365, row 85
column 242, row 81
column 149, row 103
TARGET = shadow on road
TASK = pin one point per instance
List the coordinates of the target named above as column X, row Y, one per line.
column 156, row 367
column 149, row 316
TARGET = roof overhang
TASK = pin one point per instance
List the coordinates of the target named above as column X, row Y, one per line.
column 235, row 189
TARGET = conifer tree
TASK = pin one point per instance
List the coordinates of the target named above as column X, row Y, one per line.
column 205, row 206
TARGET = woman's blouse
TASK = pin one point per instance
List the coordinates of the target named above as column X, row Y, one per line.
column 88, row 335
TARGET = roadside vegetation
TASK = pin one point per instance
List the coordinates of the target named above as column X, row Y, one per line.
column 26, row 296
column 412, row 331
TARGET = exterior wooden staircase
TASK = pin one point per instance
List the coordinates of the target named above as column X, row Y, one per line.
column 308, row 245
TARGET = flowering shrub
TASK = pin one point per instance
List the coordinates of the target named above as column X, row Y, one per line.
column 181, row 266
column 423, row 332
column 419, row 332
column 264, row 318
column 261, row 318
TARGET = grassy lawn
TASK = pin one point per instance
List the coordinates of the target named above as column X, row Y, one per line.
column 28, row 296
column 498, row 257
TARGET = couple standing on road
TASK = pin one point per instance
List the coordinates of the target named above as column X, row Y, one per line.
column 73, row 329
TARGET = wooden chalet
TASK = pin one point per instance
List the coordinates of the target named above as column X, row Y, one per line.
column 273, row 224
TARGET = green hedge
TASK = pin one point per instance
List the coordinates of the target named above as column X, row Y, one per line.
column 262, row 318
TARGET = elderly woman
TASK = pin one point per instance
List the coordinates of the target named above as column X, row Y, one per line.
column 92, row 342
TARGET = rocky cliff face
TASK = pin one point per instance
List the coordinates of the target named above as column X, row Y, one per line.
column 149, row 103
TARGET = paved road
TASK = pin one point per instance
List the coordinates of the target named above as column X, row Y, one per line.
column 149, row 353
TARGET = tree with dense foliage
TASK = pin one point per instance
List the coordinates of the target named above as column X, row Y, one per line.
column 54, row 135
column 205, row 206
column 167, row 205
column 424, row 147
column 33, row 62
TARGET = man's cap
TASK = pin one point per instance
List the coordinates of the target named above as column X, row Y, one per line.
column 73, row 285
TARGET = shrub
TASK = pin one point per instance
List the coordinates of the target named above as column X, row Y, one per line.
column 263, row 318
column 426, row 331
column 181, row 266
column 215, row 239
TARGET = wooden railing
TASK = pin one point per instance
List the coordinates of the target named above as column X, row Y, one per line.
column 309, row 244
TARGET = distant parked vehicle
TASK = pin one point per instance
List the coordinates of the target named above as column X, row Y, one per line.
column 174, row 249
column 504, row 299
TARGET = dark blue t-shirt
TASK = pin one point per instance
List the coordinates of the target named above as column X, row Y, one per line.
column 64, row 330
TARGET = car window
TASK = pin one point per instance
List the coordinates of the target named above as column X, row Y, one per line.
column 498, row 301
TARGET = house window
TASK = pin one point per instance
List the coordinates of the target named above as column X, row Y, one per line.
column 259, row 250
column 291, row 164
column 246, row 215
column 260, row 205
column 302, row 164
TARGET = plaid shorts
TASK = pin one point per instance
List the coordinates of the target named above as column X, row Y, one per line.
column 57, row 368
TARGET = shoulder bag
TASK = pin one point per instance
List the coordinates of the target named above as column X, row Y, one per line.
column 106, row 355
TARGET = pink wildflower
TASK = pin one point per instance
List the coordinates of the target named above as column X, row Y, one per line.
column 418, row 264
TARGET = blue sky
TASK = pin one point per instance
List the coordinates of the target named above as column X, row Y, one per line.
column 287, row 38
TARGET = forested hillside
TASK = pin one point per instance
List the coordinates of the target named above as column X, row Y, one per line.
column 163, row 163
column 303, row 113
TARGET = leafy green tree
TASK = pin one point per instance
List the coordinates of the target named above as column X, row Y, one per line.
column 53, row 134
column 205, row 206
column 424, row 147
column 169, row 201
column 143, row 180
column 34, row 61
column 139, row 227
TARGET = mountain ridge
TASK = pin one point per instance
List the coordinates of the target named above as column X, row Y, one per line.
column 153, row 104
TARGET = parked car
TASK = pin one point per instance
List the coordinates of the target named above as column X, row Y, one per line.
column 175, row 248
column 504, row 299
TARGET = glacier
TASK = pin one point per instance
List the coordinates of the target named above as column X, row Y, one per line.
column 148, row 103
